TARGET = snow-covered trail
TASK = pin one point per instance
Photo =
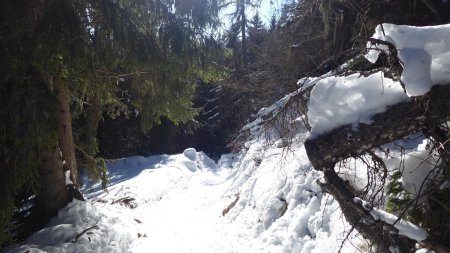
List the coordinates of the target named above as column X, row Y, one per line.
column 178, row 202
column 175, row 204
column 187, row 217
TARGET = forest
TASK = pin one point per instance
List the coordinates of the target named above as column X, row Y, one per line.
column 95, row 93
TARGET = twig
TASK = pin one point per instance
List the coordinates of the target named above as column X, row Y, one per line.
column 324, row 208
column 98, row 200
column 124, row 199
column 86, row 230
column 346, row 238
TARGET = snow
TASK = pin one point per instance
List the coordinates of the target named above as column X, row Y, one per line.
column 176, row 203
column 72, row 220
column 354, row 99
column 67, row 175
column 425, row 251
column 190, row 153
column 337, row 101
column 416, row 168
column 425, row 52
column 404, row 227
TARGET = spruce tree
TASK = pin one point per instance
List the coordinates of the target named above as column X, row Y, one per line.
column 64, row 62
column 240, row 23
column 257, row 34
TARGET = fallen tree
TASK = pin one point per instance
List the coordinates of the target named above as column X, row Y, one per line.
column 423, row 113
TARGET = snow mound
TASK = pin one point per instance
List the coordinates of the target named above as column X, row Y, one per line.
column 337, row 101
column 110, row 234
column 425, row 52
column 354, row 99
column 190, row 153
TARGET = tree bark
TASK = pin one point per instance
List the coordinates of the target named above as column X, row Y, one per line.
column 93, row 116
column 53, row 193
column 65, row 134
column 243, row 33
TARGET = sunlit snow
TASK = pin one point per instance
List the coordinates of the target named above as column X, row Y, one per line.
column 353, row 99
column 404, row 227
column 176, row 204
column 425, row 52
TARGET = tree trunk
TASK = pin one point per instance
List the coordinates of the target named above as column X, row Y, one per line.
column 93, row 116
column 53, row 193
column 243, row 32
column 65, row 134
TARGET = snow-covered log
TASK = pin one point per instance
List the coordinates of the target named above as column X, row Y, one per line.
column 398, row 121
column 325, row 150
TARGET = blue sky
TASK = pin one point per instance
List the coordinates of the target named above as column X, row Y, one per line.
column 267, row 7
column 266, row 10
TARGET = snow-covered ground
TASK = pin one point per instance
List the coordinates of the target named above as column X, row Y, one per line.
column 264, row 199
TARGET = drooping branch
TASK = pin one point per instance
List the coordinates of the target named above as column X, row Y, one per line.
column 377, row 231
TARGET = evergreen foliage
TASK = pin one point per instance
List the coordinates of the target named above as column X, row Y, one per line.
column 149, row 51
column 257, row 34
column 240, row 26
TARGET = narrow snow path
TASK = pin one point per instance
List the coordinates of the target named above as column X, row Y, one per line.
column 175, row 209
column 187, row 218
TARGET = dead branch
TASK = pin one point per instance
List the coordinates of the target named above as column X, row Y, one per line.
column 84, row 231
column 228, row 208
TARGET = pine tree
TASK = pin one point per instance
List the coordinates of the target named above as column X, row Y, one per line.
column 273, row 23
column 64, row 62
column 240, row 23
column 257, row 34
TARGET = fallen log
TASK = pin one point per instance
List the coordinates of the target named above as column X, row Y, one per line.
column 398, row 121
